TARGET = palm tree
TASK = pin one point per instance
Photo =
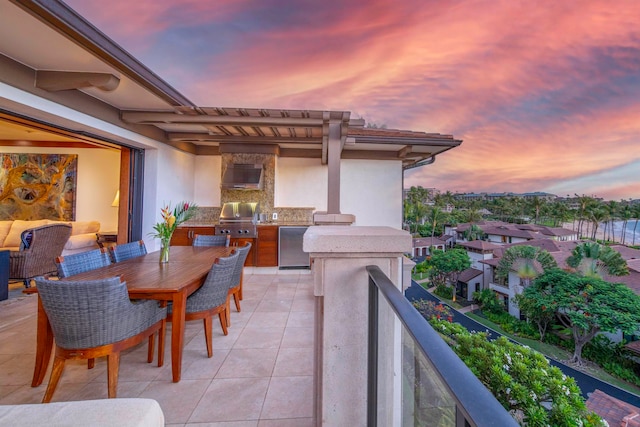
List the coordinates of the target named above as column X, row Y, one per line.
column 497, row 206
column 597, row 215
column 433, row 215
column 636, row 215
column 514, row 208
column 594, row 260
column 536, row 205
column 612, row 208
column 419, row 212
column 625, row 214
column 407, row 211
column 583, row 203
column 560, row 213
column 472, row 215
column 473, row 233
column 527, row 261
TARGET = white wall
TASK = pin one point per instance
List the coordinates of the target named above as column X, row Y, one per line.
column 300, row 183
column 369, row 189
column 372, row 191
column 97, row 181
column 169, row 179
column 208, row 172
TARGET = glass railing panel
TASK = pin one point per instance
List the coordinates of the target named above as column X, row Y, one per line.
column 425, row 399
column 415, row 379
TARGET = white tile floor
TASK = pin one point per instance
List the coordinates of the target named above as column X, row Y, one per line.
column 260, row 374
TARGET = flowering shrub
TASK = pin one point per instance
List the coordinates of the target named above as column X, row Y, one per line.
column 523, row 381
column 430, row 309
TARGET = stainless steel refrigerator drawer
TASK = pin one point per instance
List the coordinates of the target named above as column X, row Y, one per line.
column 290, row 253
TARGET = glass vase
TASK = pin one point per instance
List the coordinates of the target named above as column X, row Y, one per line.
column 164, row 251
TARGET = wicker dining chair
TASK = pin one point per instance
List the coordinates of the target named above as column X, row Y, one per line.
column 38, row 251
column 211, row 298
column 96, row 318
column 206, row 240
column 81, row 262
column 126, row 251
column 235, row 289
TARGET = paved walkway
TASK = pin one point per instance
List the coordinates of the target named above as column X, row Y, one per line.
column 586, row 382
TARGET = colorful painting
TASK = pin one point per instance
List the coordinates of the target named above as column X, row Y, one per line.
column 38, row 186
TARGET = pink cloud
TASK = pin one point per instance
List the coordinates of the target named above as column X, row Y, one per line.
column 539, row 93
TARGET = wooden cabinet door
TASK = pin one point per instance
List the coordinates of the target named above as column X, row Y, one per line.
column 267, row 246
column 181, row 237
column 205, row 231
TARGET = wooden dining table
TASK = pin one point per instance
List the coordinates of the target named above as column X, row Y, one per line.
column 146, row 278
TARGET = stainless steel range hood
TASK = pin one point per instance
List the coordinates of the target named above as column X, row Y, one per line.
column 240, row 176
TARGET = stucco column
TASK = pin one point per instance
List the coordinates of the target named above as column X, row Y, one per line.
column 340, row 255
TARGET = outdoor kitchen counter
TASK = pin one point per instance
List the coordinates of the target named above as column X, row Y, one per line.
column 266, row 245
column 278, row 223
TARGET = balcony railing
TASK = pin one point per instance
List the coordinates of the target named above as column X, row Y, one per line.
column 423, row 382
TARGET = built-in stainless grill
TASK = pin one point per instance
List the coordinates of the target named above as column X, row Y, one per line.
column 238, row 219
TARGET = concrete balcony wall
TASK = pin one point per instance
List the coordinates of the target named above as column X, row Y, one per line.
column 339, row 256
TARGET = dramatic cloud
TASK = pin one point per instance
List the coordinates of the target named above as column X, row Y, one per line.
column 545, row 95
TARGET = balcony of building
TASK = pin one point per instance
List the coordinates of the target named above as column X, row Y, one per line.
column 338, row 345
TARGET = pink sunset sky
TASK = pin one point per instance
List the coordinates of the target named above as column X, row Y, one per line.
column 545, row 95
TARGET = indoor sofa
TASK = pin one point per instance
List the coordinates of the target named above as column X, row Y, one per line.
column 83, row 234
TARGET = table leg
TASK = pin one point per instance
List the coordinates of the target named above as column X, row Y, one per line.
column 44, row 345
column 177, row 333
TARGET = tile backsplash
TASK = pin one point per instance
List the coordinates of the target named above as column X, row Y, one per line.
column 211, row 215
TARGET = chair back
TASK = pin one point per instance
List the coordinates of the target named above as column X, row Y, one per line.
column 242, row 251
column 205, row 240
column 126, row 251
column 213, row 292
column 39, row 249
column 89, row 313
column 81, row 262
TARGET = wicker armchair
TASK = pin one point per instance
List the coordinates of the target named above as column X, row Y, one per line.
column 235, row 289
column 206, row 240
column 37, row 254
column 211, row 298
column 81, row 262
column 126, row 251
column 95, row 318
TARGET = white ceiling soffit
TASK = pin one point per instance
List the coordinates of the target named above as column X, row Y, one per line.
column 27, row 40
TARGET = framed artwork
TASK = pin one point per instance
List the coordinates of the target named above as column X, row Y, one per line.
column 38, row 186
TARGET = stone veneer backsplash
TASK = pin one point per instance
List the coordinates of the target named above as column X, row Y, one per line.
column 264, row 197
column 211, row 215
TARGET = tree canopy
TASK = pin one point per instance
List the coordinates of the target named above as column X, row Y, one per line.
column 595, row 260
column 447, row 266
column 586, row 305
column 528, row 262
column 523, row 381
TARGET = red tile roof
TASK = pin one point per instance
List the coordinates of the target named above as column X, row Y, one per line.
column 468, row 274
column 479, row 244
column 614, row 411
column 627, row 253
column 428, row 241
